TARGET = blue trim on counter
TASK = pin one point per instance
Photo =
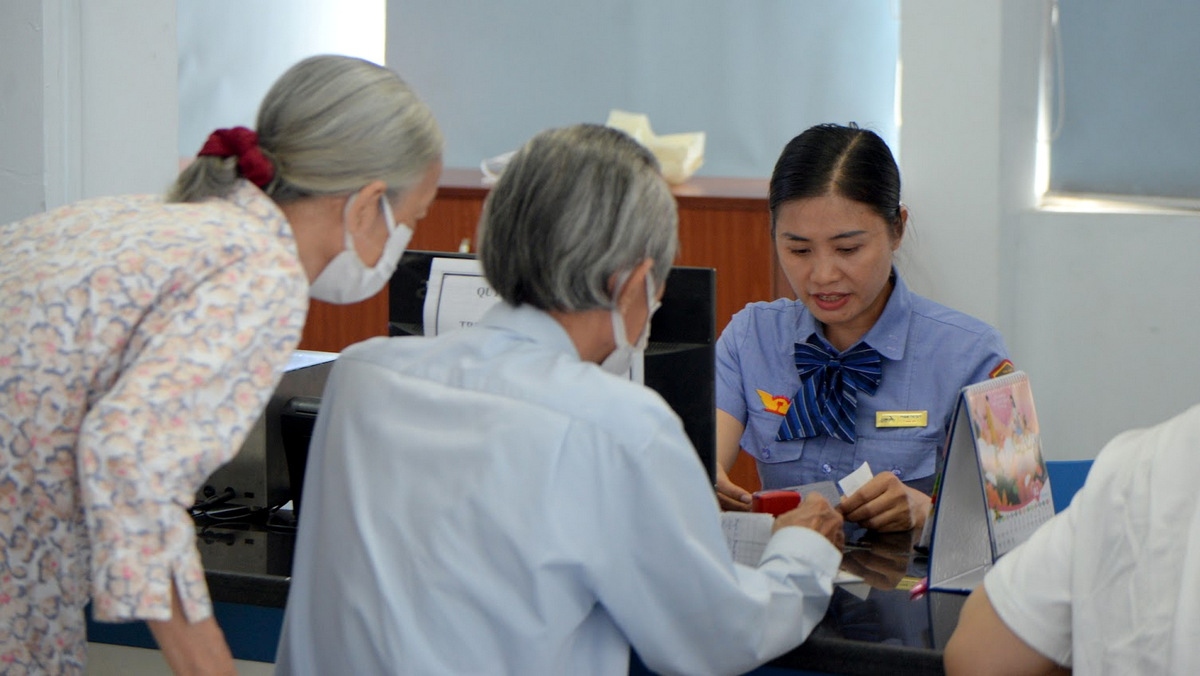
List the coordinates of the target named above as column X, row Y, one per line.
column 252, row 632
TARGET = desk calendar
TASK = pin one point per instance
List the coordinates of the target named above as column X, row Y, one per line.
column 993, row 490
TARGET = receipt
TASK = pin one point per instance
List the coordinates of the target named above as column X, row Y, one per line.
column 856, row 479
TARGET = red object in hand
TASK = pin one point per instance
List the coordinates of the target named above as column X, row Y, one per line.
column 775, row 502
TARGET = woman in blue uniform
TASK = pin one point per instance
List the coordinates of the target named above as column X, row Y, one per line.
column 858, row 368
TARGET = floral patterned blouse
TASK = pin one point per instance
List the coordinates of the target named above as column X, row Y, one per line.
column 139, row 342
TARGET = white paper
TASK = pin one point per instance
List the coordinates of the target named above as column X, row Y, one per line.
column 305, row 358
column 825, row 489
column 846, row 577
column 747, row 534
column 458, row 295
column 852, row 583
column 855, row 480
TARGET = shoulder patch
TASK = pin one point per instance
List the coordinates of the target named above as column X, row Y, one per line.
column 1002, row 369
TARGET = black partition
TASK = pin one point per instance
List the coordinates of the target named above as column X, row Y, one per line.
column 680, row 360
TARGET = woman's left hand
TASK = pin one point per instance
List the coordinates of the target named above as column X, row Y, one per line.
column 885, row 504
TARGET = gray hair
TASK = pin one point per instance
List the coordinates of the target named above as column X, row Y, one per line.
column 330, row 125
column 573, row 207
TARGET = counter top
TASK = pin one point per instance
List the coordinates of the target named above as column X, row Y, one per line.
column 870, row 628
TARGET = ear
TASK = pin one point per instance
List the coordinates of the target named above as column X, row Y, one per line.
column 902, row 226
column 364, row 210
column 635, row 285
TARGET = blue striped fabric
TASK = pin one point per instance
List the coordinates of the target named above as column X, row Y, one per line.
column 829, row 385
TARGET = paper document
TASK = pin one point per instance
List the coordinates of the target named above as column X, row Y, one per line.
column 846, row 577
column 458, row 294
column 747, row 534
column 304, row 358
column 825, row 489
column 856, row 479
column 852, row 583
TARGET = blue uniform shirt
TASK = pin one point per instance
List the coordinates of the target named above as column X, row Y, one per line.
column 929, row 351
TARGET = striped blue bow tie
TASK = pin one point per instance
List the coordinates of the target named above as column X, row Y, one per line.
column 829, row 387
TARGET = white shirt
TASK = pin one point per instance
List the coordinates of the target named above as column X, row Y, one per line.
column 1112, row 584
column 485, row 502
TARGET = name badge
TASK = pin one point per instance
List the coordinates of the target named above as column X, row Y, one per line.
column 901, row 418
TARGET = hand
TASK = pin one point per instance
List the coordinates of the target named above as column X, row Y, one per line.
column 885, row 504
column 733, row 498
column 815, row 513
column 192, row 648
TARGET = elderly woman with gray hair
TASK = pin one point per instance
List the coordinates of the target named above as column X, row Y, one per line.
column 140, row 339
column 490, row 500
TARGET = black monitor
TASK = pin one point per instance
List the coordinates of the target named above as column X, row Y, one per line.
column 680, row 360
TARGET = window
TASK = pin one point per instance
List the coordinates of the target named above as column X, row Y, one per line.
column 1123, row 100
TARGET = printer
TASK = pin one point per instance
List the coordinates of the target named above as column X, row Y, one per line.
column 268, row 470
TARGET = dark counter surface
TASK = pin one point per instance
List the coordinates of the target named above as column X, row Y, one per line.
column 873, row 627
column 877, row 627
column 248, row 560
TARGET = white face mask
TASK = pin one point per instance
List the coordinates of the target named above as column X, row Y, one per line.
column 346, row 279
column 621, row 359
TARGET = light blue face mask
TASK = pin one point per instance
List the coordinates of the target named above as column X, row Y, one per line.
column 346, row 279
column 621, row 359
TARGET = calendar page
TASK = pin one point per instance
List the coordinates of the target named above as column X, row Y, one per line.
column 1008, row 445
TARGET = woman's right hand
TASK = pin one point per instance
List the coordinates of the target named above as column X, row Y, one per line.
column 733, row 498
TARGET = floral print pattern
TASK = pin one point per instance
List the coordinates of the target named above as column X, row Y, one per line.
column 139, row 342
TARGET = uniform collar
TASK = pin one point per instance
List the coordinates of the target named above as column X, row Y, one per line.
column 890, row 332
column 535, row 325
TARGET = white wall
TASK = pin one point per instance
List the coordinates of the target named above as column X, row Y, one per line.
column 87, row 101
column 1099, row 308
column 751, row 75
column 21, row 163
column 1107, row 322
column 90, row 91
column 950, row 135
column 224, row 74
column 128, row 95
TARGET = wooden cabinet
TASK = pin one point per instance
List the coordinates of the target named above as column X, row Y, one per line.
column 723, row 224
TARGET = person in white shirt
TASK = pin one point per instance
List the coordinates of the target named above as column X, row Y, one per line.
column 491, row 500
column 1111, row 585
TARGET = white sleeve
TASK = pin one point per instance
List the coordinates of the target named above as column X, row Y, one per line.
column 1030, row 587
column 672, row 587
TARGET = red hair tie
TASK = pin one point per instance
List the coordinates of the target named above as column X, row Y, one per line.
column 242, row 143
